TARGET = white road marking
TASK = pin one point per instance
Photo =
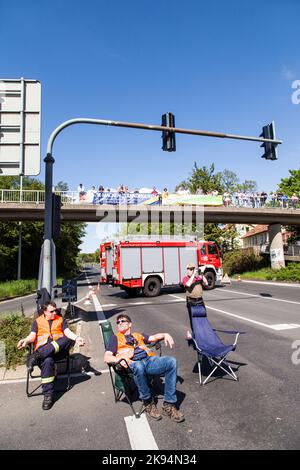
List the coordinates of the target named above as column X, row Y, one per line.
column 277, row 327
column 98, row 308
column 272, row 327
column 260, row 296
column 80, row 300
column 180, row 299
column 140, row 434
column 285, row 326
column 139, row 303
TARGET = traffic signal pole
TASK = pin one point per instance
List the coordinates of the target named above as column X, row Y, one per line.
column 49, row 161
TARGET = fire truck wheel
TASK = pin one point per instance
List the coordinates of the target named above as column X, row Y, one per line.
column 211, row 279
column 152, row 287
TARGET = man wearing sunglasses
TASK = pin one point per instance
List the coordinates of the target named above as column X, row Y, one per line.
column 132, row 347
column 52, row 340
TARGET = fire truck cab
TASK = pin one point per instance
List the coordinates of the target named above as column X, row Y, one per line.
column 148, row 266
column 106, row 262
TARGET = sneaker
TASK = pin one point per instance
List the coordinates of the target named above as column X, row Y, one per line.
column 152, row 410
column 47, row 402
column 170, row 410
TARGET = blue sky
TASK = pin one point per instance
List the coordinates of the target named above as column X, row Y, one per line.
column 224, row 66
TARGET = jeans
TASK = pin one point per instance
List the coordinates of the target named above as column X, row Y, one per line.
column 155, row 365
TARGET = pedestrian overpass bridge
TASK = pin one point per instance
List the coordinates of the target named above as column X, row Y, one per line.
column 87, row 212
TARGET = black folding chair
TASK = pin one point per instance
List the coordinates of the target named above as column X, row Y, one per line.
column 208, row 344
column 121, row 375
column 30, row 375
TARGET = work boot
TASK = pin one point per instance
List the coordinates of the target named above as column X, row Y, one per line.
column 152, row 410
column 168, row 409
column 47, row 402
column 32, row 360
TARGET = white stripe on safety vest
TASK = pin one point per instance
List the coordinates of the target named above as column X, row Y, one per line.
column 48, row 380
column 56, row 346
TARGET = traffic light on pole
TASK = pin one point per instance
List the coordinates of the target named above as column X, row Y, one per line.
column 268, row 132
column 168, row 138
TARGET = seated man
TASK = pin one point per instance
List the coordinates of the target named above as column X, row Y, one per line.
column 52, row 340
column 133, row 348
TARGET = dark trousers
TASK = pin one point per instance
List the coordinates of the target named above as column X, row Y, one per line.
column 191, row 303
column 49, row 354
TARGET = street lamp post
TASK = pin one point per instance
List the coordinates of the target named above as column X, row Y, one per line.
column 49, row 161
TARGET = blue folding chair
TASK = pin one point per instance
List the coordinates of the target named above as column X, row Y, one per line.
column 207, row 343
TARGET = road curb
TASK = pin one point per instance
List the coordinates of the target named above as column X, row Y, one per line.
column 268, row 283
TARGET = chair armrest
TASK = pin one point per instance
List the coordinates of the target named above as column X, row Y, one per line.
column 155, row 345
column 237, row 333
column 118, row 367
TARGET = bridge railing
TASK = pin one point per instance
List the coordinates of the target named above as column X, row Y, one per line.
column 25, row 196
column 115, row 198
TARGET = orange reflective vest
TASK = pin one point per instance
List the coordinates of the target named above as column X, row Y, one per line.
column 44, row 330
column 123, row 347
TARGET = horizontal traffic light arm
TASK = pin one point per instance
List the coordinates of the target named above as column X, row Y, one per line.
column 150, row 127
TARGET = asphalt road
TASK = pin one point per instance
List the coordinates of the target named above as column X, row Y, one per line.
column 260, row 411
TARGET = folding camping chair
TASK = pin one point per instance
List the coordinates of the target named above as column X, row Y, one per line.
column 31, row 375
column 121, row 376
column 208, row 344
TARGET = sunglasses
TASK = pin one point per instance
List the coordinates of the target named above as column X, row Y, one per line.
column 52, row 311
column 121, row 321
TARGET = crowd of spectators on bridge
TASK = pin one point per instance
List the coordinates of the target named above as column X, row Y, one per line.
column 122, row 194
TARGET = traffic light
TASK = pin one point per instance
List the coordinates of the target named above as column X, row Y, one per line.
column 168, row 138
column 268, row 132
column 56, row 214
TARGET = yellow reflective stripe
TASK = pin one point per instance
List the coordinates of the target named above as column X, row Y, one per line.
column 47, row 380
column 56, row 346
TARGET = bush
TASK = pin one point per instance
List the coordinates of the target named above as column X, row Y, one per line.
column 16, row 288
column 237, row 262
column 290, row 273
column 14, row 327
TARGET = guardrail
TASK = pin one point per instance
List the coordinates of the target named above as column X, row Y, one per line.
column 289, row 250
column 115, row 198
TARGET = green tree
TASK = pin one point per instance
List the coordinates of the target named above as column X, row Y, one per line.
column 203, row 178
column 229, row 180
column 14, row 182
column 67, row 246
column 61, row 186
column 291, row 184
column 248, row 186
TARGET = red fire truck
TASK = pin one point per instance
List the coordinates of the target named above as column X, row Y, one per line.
column 106, row 262
column 148, row 266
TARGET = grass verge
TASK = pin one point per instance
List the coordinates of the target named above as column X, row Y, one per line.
column 11, row 289
column 289, row 274
column 14, row 327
